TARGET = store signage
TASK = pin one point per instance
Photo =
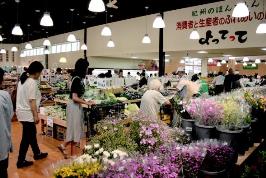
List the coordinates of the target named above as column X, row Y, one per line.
column 250, row 67
column 237, row 36
column 223, row 19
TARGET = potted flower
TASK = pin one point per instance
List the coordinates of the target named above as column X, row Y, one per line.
column 208, row 114
column 230, row 128
column 218, row 160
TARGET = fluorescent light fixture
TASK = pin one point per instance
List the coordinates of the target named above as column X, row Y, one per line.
column 110, row 44
column 22, row 54
column 227, row 55
column 84, row 47
column 14, row 49
column 257, row 61
column 96, row 6
column 46, row 20
column 134, row 57
column 182, row 61
column 210, row 60
column 106, row 31
column 261, row 28
column 28, row 46
column 194, row 35
column 1, row 38
column 253, row 65
column 202, row 52
column 223, row 61
column 63, row 60
column 146, row 39
column 231, row 57
column 245, row 59
column 263, row 49
column 245, row 64
column 2, row 51
column 71, row 38
column 46, row 42
column 241, row 10
column 167, row 60
column 219, row 64
column 167, row 55
column 17, row 30
column 46, row 51
column 158, row 22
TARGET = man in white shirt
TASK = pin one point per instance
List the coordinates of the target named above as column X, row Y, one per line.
column 152, row 100
column 219, row 83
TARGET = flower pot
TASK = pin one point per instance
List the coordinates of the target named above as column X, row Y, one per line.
column 233, row 138
column 208, row 174
column 245, row 138
column 189, row 126
column 256, row 137
column 204, row 132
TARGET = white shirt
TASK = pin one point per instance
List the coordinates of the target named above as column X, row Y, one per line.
column 26, row 92
column 219, row 80
column 151, row 103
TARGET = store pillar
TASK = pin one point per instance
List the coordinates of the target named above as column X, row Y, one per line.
column 204, row 67
column 161, row 52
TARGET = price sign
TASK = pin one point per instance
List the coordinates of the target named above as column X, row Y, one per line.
column 50, row 122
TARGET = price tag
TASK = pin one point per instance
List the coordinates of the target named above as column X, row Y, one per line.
column 189, row 129
column 50, row 122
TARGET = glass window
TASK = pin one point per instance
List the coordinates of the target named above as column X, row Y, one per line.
column 31, row 52
column 63, row 48
column 68, row 47
column 193, row 65
column 34, row 52
column 74, row 46
column 58, row 49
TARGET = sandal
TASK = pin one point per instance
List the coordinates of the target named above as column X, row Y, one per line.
column 62, row 150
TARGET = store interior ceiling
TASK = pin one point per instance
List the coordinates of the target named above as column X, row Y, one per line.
column 239, row 53
column 31, row 11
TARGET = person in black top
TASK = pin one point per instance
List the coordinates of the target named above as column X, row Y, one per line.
column 143, row 81
column 230, row 81
column 108, row 74
column 75, row 114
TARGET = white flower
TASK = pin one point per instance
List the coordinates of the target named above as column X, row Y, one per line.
column 105, row 160
column 88, row 147
column 79, row 160
column 111, row 162
column 93, row 160
column 96, row 153
column 106, row 154
column 96, row 145
column 114, row 155
column 101, row 150
column 105, row 128
column 115, row 129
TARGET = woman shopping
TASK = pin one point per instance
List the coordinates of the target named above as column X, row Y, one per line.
column 28, row 101
column 75, row 114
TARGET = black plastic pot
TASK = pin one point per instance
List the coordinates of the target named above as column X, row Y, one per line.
column 233, row 138
column 256, row 136
column 207, row 174
column 189, row 126
column 245, row 138
column 204, row 132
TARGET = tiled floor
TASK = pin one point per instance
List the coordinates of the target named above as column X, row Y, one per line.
column 38, row 170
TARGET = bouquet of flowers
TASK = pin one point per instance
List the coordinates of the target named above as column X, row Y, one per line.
column 206, row 111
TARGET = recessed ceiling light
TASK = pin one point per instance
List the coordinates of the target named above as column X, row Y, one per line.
column 37, row 10
column 202, row 52
column 263, row 49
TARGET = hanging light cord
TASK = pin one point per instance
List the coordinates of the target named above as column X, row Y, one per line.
column 72, row 14
column 146, row 21
column 17, row 10
column 106, row 17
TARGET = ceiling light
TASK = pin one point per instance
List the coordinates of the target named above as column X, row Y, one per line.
column 63, row 60
column 97, row 6
column 203, row 52
column 2, row 51
column 223, row 61
column 158, row 22
column 146, row 39
column 71, row 38
column 245, row 59
column 110, row 44
column 167, row 55
column 232, row 58
column 261, row 28
column 227, row 65
column 106, row 31
column 17, row 30
column 227, row 55
column 46, row 42
column 182, row 61
column 219, row 64
column 210, row 60
column 84, row 47
column 254, row 65
column 46, row 20
column 167, row 60
column 22, row 54
column 194, row 35
column 14, row 49
column 241, row 10
column 1, row 38
column 46, row 51
column 28, row 46
column 236, row 63
column 134, row 57
column 263, row 49
column 257, row 61
column 245, row 64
